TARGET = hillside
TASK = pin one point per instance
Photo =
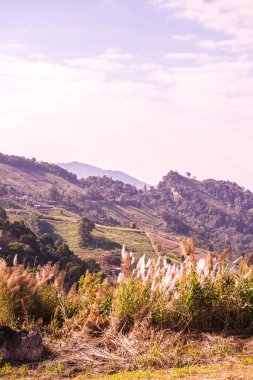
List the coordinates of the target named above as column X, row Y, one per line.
column 218, row 213
column 85, row 171
column 106, row 240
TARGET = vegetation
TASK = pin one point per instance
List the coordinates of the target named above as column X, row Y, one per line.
column 106, row 241
column 17, row 240
column 154, row 315
column 85, row 227
column 27, row 296
column 32, row 164
column 113, row 238
column 219, row 213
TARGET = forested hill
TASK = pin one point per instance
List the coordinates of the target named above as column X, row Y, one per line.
column 32, row 164
column 219, row 213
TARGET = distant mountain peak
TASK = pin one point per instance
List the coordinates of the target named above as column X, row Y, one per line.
column 85, row 170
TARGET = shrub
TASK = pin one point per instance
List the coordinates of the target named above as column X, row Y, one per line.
column 29, row 295
column 95, row 300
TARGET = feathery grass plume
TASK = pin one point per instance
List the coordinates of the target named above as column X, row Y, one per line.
column 95, row 301
column 200, row 293
column 249, row 273
column 209, row 263
column 15, row 260
column 221, row 260
column 191, row 243
column 184, row 248
column 188, row 246
column 244, row 268
column 26, row 296
column 127, row 261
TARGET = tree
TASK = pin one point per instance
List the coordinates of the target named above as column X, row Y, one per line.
column 86, row 226
column 3, row 217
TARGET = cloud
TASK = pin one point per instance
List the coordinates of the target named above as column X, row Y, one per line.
column 232, row 17
column 109, row 108
column 110, row 61
column 39, row 56
column 229, row 45
column 197, row 57
column 12, row 46
column 184, row 37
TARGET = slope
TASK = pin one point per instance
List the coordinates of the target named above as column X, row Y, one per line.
column 219, row 213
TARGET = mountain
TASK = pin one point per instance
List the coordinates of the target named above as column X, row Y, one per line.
column 85, row 170
column 218, row 213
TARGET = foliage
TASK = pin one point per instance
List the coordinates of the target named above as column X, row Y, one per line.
column 32, row 164
column 202, row 295
column 95, row 300
column 85, row 227
column 34, row 250
column 217, row 212
column 3, row 218
column 145, row 318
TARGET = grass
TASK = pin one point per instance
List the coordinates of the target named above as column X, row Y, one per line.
column 220, row 371
column 146, row 216
column 135, row 240
column 64, row 225
column 229, row 371
column 106, row 240
column 153, row 321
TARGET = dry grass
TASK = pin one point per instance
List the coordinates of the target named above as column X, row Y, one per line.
column 27, row 296
column 81, row 357
column 142, row 351
column 158, row 315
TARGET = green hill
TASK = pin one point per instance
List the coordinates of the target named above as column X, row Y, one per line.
column 218, row 213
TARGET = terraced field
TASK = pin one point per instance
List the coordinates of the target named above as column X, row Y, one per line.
column 62, row 224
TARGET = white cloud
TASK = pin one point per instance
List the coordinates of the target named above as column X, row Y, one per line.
column 184, row 37
column 12, row 46
column 197, row 57
column 228, row 45
column 232, row 17
column 111, row 60
column 39, row 56
column 94, row 109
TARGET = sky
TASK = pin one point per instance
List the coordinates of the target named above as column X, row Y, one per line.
column 141, row 86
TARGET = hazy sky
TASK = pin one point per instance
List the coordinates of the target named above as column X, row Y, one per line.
column 143, row 86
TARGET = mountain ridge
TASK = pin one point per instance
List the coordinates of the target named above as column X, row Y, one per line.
column 83, row 170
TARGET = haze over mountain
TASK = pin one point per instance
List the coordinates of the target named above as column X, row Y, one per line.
column 85, row 171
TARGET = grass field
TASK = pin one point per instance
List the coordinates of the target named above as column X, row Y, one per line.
column 135, row 240
column 242, row 370
column 63, row 224
column 144, row 216
column 106, row 240
column 213, row 372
